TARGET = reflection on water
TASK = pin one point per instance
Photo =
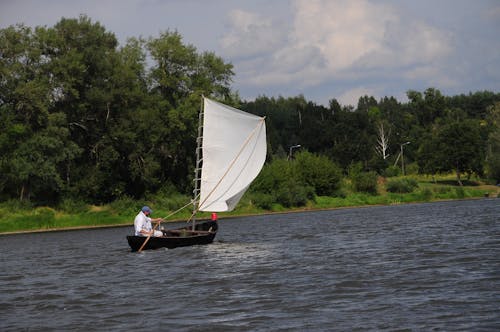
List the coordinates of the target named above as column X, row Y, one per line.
column 413, row 267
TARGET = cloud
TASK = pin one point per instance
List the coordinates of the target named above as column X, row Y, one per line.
column 250, row 34
column 343, row 30
column 334, row 40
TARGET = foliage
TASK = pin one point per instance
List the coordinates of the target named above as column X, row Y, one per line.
column 72, row 206
column 318, row 172
column 392, row 171
column 402, row 185
column 281, row 181
column 493, row 151
column 364, row 182
column 84, row 120
column 456, row 146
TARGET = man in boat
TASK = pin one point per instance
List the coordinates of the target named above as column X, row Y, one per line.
column 142, row 223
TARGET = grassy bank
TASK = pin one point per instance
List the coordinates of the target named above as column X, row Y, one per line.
column 16, row 217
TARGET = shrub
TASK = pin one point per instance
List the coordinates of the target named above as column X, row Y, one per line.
column 262, row 200
column 365, row 182
column 318, row 172
column 401, row 186
column 392, row 171
column 170, row 202
column 73, row 206
column 282, row 183
column 427, row 194
column 294, row 195
column 17, row 205
column 45, row 216
column 124, row 206
column 460, row 192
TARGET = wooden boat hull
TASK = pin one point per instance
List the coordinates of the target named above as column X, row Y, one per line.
column 182, row 237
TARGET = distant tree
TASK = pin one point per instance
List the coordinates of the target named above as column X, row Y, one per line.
column 493, row 151
column 426, row 107
column 179, row 76
column 365, row 103
column 456, row 146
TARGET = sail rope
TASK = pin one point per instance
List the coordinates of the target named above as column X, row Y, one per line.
column 185, row 206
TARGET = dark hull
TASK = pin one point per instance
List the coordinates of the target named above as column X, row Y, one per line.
column 182, row 237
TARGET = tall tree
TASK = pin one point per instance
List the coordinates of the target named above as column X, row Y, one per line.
column 493, row 151
column 456, row 146
column 179, row 77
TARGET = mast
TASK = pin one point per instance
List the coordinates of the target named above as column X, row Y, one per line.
column 199, row 161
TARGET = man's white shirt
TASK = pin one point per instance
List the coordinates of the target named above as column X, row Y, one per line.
column 141, row 222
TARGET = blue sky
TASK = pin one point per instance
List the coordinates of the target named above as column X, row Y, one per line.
column 322, row 49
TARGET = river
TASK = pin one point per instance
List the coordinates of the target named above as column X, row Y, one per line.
column 416, row 267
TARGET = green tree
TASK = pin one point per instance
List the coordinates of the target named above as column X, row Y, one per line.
column 455, row 146
column 280, row 182
column 493, row 151
column 179, row 76
column 427, row 107
column 318, row 172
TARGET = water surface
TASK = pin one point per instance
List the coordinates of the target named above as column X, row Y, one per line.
column 416, row 267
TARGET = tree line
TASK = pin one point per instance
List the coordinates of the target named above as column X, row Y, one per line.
column 84, row 118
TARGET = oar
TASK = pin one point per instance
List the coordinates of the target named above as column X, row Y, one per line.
column 149, row 236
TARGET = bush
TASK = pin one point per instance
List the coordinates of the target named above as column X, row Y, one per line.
column 411, row 169
column 17, row 205
column 45, row 216
column 294, row 195
column 401, row 186
column 73, row 206
column 171, row 202
column 281, row 183
column 427, row 194
column 365, row 182
column 392, row 171
column 124, row 206
column 317, row 172
column 262, row 200
column 460, row 192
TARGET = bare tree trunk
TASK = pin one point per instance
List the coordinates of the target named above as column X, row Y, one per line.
column 382, row 141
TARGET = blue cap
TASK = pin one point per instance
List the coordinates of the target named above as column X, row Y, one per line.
column 146, row 209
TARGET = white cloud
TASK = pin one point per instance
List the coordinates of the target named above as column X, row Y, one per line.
column 343, row 30
column 250, row 34
column 318, row 48
column 332, row 40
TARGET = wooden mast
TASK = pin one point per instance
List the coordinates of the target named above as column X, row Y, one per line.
column 199, row 161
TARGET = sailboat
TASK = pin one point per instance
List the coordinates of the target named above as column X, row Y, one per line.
column 231, row 150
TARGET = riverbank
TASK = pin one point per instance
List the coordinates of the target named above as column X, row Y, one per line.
column 45, row 219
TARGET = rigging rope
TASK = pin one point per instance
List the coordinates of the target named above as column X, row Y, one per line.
column 185, row 206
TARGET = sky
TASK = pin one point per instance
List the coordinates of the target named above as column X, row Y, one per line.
column 321, row 49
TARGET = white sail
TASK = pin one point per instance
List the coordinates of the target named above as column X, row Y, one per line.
column 234, row 151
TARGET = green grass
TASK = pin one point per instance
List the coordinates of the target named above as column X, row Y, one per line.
column 19, row 216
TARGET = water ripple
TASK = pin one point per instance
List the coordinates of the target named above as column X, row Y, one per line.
column 411, row 267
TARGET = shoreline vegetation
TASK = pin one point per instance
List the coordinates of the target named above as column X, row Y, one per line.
column 18, row 218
